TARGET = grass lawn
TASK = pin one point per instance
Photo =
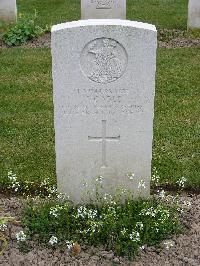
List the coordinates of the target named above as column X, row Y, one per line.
column 162, row 13
column 26, row 115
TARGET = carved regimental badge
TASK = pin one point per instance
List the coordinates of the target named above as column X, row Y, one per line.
column 103, row 4
column 103, row 60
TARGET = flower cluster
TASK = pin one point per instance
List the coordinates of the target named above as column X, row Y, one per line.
column 141, row 184
column 168, row 244
column 3, row 227
column 135, row 236
column 53, row 240
column 158, row 211
column 47, row 187
column 183, row 206
column 55, row 211
column 21, row 236
column 123, row 227
column 123, row 231
column 131, row 175
column 93, row 227
column 155, row 177
column 84, row 212
column 14, row 183
column 140, row 226
column 69, row 244
column 187, row 204
column 161, row 194
column 109, row 198
column 44, row 188
column 99, row 179
column 181, row 182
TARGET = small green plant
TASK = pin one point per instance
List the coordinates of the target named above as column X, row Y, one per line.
column 25, row 29
column 124, row 228
column 14, row 184
column 3, row 226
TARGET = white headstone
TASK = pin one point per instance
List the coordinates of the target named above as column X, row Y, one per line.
column 104, row 82
column 103, row 9
column 8, row 10
column 194, row 14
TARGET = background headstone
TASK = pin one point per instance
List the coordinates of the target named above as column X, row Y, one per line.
column 194, row 14
column 8, row 10
column 103, row 9
column 104, row 81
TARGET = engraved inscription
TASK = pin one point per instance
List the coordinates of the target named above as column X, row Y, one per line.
column 104, row 140
column 103, row 4
column 100, row 101
column 104, row 60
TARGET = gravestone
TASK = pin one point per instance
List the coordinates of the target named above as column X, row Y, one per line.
column 194, row 14
column 103, row 9
column 8, row 10
column 104, row 81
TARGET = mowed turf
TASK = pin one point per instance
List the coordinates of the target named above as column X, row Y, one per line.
column 26, row 115
column 162, row 13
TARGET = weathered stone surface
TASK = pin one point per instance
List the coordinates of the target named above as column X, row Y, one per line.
column 8, row 10
column 104, row 81
column 103, row 9
column 194, row 14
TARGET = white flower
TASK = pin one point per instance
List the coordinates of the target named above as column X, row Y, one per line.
column 53, row 240
column 21, row 236
column 124, row 190
column 181, row 210
column 3, row 227
column 69, row 244
column 15, row 185
column 187, row 203
column 45, row 182
column 135, row 236
column 181, row 182
column 85, row 184
column 123, row 232
column 12, row 176
column 148, row 212
column 140, row 225
column 142, row 247
column 53, row 190
column 141, row 184
column 100, row 179
column 107, row 196
column 168, row 244
column 155, row 177
column 112, row 210
column 83, row 212
column 161, row 194
column 131, row 176
column 54, row 213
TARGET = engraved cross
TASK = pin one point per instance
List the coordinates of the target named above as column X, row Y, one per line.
column 104, row 140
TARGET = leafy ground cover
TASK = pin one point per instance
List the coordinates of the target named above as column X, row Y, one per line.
column 26, row 116
column 176, row 250
column 121, row 228
column 164, row 14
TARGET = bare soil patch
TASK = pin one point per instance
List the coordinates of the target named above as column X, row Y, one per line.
column 180, row 43
column 45, row 41
column 185, row 250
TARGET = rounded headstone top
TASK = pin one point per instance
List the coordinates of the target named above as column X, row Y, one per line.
column 104, row 22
